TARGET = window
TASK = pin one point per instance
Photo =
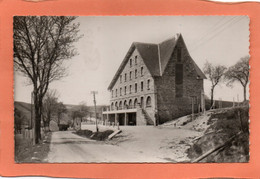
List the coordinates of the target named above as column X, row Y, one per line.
column 135, row 73
column 130, row 103
column 120, row 78
column 120, row 91
column 142, row 102
column 125, row 104
column 142, row 85
column 179, row 80
column 116, row 107
column 130, row 76
column 142, row 71
column 136, row 87
column 136, row 59
column 148, row 102
column 135, row 103
column 125, row 90
column 116, row 92
column 112, row 106
column 179, row 54
column 120, row 105
column 179, row 74
column 130, row 62
column 130, row 89
column 148, row 84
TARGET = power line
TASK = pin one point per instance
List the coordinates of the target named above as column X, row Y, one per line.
column 218, row 31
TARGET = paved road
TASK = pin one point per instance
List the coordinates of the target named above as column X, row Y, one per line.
column 68, row 147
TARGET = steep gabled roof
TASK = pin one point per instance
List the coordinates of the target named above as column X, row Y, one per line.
column 155, row 57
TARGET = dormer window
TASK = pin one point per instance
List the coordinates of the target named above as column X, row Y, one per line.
column 125, row 77
column 116, row 92
column 136, row 59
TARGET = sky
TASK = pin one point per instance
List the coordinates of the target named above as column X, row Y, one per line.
column 106, row 39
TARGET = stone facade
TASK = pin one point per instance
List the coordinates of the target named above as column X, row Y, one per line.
column 175, row 100
column 134, row 97
column 158, row 94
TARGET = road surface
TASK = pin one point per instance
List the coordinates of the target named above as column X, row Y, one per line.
column 137, row 144
column 68, row 147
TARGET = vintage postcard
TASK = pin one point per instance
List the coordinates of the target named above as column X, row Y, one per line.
column 131, row 89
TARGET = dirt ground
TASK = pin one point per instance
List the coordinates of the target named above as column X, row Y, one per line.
column 134, row 144
column 25, row 152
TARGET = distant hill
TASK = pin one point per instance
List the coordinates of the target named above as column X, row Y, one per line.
column 25, row 110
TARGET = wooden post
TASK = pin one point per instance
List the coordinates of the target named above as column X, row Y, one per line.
column 94, row 96
column 126, row 119
column 202, row 102
column 192, row 107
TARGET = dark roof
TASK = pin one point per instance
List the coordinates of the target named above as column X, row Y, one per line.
column 155, row 57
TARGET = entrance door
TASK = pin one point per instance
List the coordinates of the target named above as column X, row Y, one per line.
column 131, row 119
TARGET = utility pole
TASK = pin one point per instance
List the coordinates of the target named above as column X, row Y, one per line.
column 94, row 96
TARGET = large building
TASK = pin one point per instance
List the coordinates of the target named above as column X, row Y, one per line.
column 155, row 83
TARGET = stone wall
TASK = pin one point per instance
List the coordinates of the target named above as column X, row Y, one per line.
column 169, row 104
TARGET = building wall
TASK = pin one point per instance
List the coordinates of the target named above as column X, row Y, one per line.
column 134, row 95
column 172, row 102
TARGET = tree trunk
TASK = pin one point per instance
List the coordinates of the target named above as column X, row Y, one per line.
column 212, row 97
column 244, row 93
column 38, row 115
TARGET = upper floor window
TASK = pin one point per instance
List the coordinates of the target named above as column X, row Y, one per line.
column 179, row 54
column 148, row 84
column 135, row 73
column 130, row 89
column 116, row 92
column 142, row 71
column 120, row 91
column 130, row 75
column 130, row 62
column 142, row 85
column 136, row 87
column 136, row 59
column 125, row 90
column 125, row 77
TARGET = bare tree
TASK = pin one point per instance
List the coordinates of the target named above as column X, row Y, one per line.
column 240, row 73
column 214, row 74
column 41, row 45
column 50, row 105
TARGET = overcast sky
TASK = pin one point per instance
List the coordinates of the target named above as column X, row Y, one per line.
column 218, row 39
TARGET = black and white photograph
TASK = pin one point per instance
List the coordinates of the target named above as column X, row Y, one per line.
column 131, row 89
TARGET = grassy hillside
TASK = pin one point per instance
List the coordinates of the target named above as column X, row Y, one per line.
column 229, row 131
